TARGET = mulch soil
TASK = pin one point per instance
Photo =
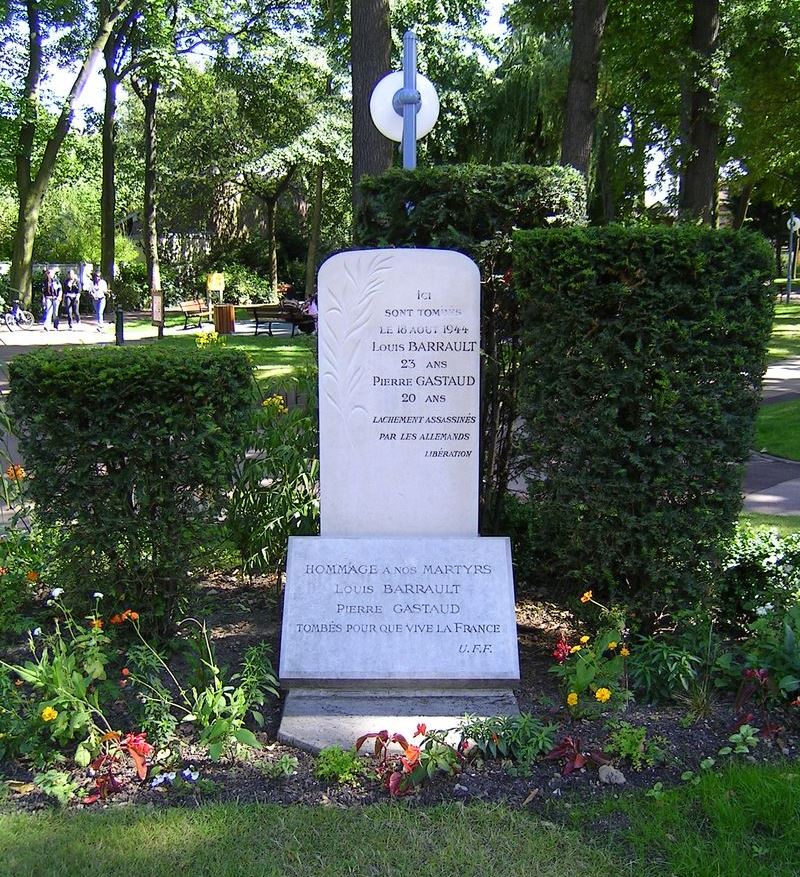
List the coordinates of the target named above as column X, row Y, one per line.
column 242, row 612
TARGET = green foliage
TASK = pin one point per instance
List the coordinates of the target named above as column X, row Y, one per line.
column 132, row 292
column 216, row 704
column 153, row 436
column 57, row 784
column 474, row 209
column 460, row 206
column 65, row 693
column 758, row 570
column 643, row 355
column 774, row 647
column 522, row 738
column 276, row 495
column 743, row 741
column 244, row 285
column 591, row 672
column 280, row 768
column 628, row 741
column 339, row 765
column 660, row 668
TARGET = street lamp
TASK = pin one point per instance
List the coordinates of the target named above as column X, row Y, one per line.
column 404, row 105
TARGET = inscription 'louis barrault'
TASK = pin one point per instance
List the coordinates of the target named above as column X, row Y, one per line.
column 425, row 347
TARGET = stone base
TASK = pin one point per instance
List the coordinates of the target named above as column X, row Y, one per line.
column 315, row 718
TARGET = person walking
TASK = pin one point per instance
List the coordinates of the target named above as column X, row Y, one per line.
column 51, row 299
column 99, row 290
column 72, row 297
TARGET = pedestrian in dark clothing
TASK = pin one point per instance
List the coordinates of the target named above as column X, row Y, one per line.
column 72, row 298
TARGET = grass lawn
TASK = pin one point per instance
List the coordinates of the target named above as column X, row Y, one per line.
column 743, row 816
column 784, row 524
column 785, row 340
column 778, row 430
column 244, row 841
column 275, row 358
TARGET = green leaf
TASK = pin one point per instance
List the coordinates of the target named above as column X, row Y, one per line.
column 246, row 737
column 82, row 755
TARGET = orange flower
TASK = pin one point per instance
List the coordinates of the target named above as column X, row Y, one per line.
column 96, row 623
column 125, row 671
column 15, row 472
column 134, row 616
column 116, row 619
column 3, row 570
column 411, row 758
column 586, row 597
column 32, row 576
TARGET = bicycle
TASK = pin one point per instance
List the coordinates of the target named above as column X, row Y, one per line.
column 17, row 316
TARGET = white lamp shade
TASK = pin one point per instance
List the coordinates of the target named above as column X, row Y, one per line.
column 388, row 121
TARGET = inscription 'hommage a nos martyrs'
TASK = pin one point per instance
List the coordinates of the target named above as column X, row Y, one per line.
column 399, row 347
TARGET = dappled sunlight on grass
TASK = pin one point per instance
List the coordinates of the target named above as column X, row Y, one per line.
column 785, row 340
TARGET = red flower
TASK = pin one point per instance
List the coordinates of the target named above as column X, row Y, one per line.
column 562, row 651
column 422, row 730
column 125, row 671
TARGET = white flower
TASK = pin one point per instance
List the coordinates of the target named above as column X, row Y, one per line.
column 37, row 631
column 97, row 595
column 56, row 592
column 161, row 779
column 191, row 776
column 761, row 611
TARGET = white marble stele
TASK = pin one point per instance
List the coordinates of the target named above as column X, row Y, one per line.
column 399, row 382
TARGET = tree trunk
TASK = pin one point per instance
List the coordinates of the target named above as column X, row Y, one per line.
column 639, row 138
column 223, row 216
column 588, row 22
column 272, row 246
column 313, row 238
column 32, row 189
column 108, row 193
column 151, row 187
column 697, row 197
column 743, row 203
column 370, row 47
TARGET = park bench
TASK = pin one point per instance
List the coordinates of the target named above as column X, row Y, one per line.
column 194, row 307
column 284, row 312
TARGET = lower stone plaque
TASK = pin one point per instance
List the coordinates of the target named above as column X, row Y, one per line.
column 399, row 613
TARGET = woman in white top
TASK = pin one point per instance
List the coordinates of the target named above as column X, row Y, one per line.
column 99, row 290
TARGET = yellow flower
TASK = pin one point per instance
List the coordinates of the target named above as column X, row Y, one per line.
column 613, row 645
column 602, row 694
column 586, row 597
column 32, row 576
column 574, row 649
column 48, row 714
column 624, row 651
column 275, row 403
column 584, row 639
column 572, row 699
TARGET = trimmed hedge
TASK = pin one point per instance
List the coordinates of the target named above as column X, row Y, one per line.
column 474, row 209
column 643, row 355
column 129, row 452
column 459, row 206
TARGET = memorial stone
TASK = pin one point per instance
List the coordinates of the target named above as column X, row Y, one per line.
column 398, row 612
